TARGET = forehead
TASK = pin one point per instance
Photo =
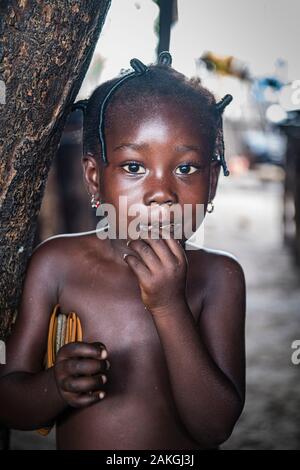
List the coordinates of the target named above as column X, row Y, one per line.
column 156, row 118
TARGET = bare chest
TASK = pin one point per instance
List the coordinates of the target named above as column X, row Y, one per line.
column 111, row 311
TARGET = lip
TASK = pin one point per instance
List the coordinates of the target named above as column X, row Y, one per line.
column 160, row 226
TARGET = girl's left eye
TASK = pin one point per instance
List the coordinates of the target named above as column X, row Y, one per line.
column 186, row 169
column 134, row 168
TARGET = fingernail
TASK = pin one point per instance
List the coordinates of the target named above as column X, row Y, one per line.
column 104, row 378
column 101, row 395
column 107, row 364
column 124, row 256
column 128, row 241
column 103, row 354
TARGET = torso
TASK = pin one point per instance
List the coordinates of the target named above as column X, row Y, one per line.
column 138, row 411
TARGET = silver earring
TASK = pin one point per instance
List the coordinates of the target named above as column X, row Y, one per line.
column 95, row 203
column 210, row 207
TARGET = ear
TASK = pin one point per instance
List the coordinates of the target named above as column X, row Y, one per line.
column 91, row 174
column 214, row 178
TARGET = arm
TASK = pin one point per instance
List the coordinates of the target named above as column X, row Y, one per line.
column 28, row 395
column 31, row 397
column 205, row 360
column 29, row 401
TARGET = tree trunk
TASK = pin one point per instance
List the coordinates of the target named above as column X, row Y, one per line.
column 45, row 50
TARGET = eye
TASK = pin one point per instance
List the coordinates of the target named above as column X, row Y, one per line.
column 187, row 169
column 134, row 167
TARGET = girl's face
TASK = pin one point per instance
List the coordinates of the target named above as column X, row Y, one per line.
column 158, row 160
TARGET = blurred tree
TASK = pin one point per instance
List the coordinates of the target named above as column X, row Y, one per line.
column 168, row 15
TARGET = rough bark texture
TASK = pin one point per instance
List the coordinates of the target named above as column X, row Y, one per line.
column 45, row 50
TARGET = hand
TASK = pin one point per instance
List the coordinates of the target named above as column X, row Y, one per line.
column 161, row 268
column 80, row 373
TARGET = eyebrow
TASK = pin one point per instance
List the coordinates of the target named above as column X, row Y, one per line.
column 143, row 145
column 188, row 148
column 131, row 146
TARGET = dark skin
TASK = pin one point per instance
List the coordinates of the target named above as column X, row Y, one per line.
column 172, row 358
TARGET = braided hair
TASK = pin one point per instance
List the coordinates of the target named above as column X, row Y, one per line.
column 143, row 85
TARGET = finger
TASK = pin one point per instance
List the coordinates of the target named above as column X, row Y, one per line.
column 146, row 253
column 81, row 349
column 162, row 250
column 176, row 248
column 84, row 384
column 78, row 367
column 86, row 399
column 137, row 266
column 102, row 347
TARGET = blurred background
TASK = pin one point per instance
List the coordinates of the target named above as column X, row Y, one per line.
column 248, row 49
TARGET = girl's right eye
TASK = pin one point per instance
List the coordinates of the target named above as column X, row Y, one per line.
column 134, row 168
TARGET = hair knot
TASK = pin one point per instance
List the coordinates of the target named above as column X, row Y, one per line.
column 138, row 66
column 165, row 58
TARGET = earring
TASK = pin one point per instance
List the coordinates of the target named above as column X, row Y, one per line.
column 210, row 207
column 94, row 203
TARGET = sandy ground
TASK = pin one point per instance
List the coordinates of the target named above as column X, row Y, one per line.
column 247, row 223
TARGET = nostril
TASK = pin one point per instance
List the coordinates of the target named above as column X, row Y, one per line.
column 161, row 198
column 169, row 203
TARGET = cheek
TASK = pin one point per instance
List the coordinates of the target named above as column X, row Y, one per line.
column 124, row 195
column 112, row 186
column 129, row 195
column 194, row 200
column 195, row 192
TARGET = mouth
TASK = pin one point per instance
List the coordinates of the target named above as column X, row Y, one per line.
column 172, row 226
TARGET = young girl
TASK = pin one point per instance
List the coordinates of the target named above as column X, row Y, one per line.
column 161, row 364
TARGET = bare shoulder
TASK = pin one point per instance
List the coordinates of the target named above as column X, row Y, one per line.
column 219, row 264
column 50, row 256
column 48, row 267
column 60, row 243
column 222, row 275
column 59, row 250
column 53, row 259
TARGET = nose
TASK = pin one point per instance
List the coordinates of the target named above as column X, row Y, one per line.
column 160, row 194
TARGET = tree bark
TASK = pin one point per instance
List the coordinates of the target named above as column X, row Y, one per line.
column 45, row 50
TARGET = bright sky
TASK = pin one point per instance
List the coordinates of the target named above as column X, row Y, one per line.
column 255, row 31
column 128, row 32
